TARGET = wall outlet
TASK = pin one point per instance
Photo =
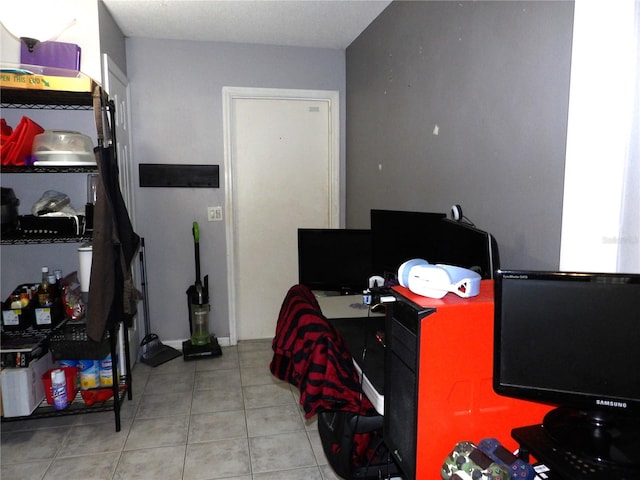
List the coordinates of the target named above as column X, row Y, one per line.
column 214, row 214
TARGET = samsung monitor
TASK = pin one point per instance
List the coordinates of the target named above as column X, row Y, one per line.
column 572, row 340
column 335, row 260
column 399, row 236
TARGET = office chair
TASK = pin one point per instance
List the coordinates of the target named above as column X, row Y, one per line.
column 311, row 355
column 353, row 445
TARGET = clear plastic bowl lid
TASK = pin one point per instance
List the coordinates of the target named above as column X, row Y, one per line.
column 62, row 147
column 62, row 141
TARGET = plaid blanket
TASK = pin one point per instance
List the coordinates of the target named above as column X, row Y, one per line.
column 311, row 355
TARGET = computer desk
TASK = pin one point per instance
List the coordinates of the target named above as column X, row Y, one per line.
column 363, row 332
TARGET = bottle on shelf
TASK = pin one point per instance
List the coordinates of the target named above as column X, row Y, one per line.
column 16, row 303
column 25, row 295
column 60, row 290
column 59, row 389
column 53, row 287
column 45, row 292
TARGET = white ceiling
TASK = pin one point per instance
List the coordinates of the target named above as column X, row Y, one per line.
column 301, row 23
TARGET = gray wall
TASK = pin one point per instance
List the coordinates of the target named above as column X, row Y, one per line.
column 494, row 77
column 176, row 92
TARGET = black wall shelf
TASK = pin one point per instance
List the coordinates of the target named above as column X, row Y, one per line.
column 177, row 175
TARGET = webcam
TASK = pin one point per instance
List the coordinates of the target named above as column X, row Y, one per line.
column 458, row 216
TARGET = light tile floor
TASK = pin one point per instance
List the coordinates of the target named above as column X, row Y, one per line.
column 217, row 418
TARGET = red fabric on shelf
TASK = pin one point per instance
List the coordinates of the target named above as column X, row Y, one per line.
column 18, row 144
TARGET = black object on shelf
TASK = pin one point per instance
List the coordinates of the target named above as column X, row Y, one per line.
column 48, row 169
column 72, row 343
column 52, row 226
column 30, row 317
column 10, row 205
column 29, row 98
column 170, row 175
column 19, row 349
column 17, row 238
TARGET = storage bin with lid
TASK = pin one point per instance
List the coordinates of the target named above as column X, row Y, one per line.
column 63, row 148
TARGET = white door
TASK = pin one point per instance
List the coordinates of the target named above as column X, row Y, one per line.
column 281, row 156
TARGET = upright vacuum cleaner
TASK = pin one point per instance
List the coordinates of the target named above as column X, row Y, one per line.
column 201, row 344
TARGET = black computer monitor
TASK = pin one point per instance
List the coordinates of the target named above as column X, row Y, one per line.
column 572, row 340
column 399, row 236
column 334, row 259
column 463, row 245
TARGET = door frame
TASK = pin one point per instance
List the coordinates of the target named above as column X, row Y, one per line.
column 111, row 71
column 229, row 95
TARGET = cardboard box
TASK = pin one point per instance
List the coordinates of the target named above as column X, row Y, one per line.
column 16, row 78
column 22, row 388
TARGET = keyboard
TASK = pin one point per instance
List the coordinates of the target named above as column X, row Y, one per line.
column 566, row 464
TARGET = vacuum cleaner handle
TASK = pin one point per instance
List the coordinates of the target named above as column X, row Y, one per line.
column 196, row 232
column 196, row 242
